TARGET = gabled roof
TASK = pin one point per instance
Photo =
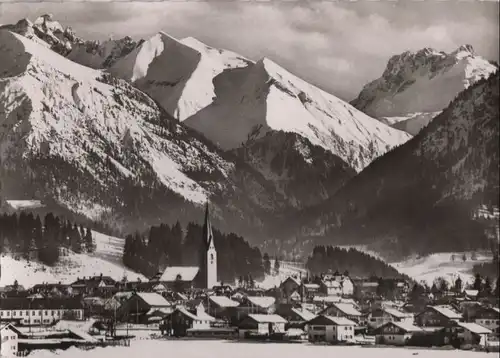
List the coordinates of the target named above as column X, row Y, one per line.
column 295, row 280
column 311, row 286
column 474, row 328
column 447, row 311
column 194, row 317
column 23, row 303
column 405, row 326
column 187, row 273
column 331, row 320
column 347, row 308
column 153, row 299
column 331, row 283
column 304, row 314
column 396, row 313
column 267, row 318
column 223, row 301
column 261, row 301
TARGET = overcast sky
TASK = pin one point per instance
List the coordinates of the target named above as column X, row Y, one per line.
column 338, row 46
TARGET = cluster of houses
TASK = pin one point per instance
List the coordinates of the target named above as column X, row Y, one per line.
column 297, row 310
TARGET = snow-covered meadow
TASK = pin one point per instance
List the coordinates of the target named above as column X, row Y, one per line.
column 231, row 349
column 106, row 260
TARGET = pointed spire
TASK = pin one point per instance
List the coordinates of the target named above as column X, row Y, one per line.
column 207, row 228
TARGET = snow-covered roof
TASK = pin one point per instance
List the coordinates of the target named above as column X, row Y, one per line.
column 295, row 280
column 474, row 328
column 202, row 316
column 154, row 299
column 223, row 301
column 471, row 293
column 311, row 286
column 406, row 326
column 396, row 313
column 332, row 284
column 261, row 301
column 341, row 321
column 447, row 312
column 267, row 318
column 304, row 314
column 187, row 273
column 347, row 309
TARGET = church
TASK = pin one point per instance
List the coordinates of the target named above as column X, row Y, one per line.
column 202, row 276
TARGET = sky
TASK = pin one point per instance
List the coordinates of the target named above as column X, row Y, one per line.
column 337, row 45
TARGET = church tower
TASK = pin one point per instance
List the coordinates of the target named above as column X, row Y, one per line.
column 209, row 254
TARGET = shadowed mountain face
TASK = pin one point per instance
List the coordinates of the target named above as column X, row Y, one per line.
column 416, row 86
column 423, row 195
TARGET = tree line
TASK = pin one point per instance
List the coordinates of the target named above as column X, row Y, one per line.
column 26, row 235
column 151, row 252
column 357, row 263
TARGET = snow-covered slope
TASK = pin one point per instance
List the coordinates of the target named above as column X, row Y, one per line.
column 265, row 97
column 422, row 82
column 50, row 33
column 105, row 260
column 448, row 265
column 178, row 74
column 99, row 147
column 411, row 123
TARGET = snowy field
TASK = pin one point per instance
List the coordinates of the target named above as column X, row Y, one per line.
column 430, row 267
column 106, row 260
column 227, row 349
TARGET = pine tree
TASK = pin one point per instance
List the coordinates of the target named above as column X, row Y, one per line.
column 267, row 264
column 477, row 283
column 89, row 241
column 487, row 287
column 458, row 285
column 276, row 265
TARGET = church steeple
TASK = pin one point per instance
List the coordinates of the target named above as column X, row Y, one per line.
column 208, row 235
column 209, row 254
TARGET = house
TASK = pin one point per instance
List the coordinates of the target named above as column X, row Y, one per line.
column 458, row 333
column 45, row 311
column 296, row 317
column 381, row 316
column 258, row 304
column 347, row 310
column 142, row 306
column 52, row 289
column 488, row 317
column 95, row 286
column 182, row 322
column 289, row 285
column 261, row 325
column 217, row 306
column 326, row 328
column 309, row 290
column 10, row 336
column 396, row 333
column 179, row 278
column 437, row 316
column 364, row 287
column 330, row 287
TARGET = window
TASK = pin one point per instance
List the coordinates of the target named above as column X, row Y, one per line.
column 53, row 313
column 32, row 313
column 8, row 313
column 46, row 313
column 27, row 313
column 14, row 314
column 1, row 314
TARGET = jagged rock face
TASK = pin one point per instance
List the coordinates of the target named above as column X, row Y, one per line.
column 50, row 33
column 416, row 86
column 422, row 195
column 303, row 173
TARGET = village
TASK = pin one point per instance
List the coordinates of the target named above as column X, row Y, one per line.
column 187, row 302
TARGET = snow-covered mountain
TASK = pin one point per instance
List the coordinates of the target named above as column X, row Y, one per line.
column 416, row 86
column 50, row 33
column 424, row 195
column 231, row 99
column 177, row 74
column 78, row 138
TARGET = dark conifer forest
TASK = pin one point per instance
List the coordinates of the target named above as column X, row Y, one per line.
column 166, row 245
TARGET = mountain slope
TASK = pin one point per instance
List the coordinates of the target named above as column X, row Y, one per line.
column 264, row 97
column 81, row 139
column 50, row 33
column 106, row 260
column 416, row 86
column 178, row 74
column 422, row 196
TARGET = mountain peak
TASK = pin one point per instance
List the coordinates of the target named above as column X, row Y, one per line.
column 466, row 50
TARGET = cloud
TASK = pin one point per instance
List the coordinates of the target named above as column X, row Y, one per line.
column 339, row 46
